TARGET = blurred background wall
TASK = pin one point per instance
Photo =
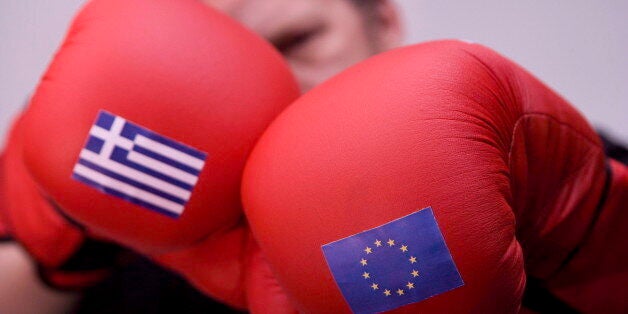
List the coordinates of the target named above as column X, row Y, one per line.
column 578, row 47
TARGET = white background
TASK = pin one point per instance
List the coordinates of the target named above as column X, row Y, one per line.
column 580, row 48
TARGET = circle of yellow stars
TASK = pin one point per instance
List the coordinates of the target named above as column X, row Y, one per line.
column 375, row 286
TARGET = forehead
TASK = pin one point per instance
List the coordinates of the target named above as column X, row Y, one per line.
column 271, row 17
column 225, row 5
column 232, row 6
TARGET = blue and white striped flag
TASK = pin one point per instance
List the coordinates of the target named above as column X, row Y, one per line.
column 126, row 160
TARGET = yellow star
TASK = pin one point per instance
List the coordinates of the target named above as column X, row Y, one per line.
column 366, row 275
column 368, row 250
column 391, row 242
column 404, row 248
column 387, row 292
column 410, row 285
column 399, row 292
column 415, row 273
column 363, row 262
column 375, row 286
column 377, row 243
column 412, row 259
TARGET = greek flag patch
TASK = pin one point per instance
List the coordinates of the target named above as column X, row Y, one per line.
column 126, row 160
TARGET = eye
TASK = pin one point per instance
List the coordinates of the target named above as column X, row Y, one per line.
column 289, row 42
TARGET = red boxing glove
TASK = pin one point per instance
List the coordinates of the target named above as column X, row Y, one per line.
column 263, row 291
column 65, row 256
column 5, row 235
column 417, row 181
column 4, row 229
column 593, row 276
column 140, row 129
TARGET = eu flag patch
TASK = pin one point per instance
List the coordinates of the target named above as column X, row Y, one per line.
column 401, row 262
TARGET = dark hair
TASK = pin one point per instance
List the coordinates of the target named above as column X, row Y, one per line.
column 367, row 8
column 364, row 4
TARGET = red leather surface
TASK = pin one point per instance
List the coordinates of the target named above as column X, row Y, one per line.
column 29, row 216
column 594, row 280
column 508, row 166
column 185, row 72
column 176, row 68
column 4, row 227
column 264, row 293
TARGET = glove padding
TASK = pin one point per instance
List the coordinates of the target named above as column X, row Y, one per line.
column 186, row 76
column 509, row 168
column 67, row 258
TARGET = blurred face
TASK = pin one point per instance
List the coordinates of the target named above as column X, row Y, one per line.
column 318, row 38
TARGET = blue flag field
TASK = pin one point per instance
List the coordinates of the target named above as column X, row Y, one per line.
column 401, row 262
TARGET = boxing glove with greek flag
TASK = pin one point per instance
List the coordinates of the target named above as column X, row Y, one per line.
column 140, row 128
